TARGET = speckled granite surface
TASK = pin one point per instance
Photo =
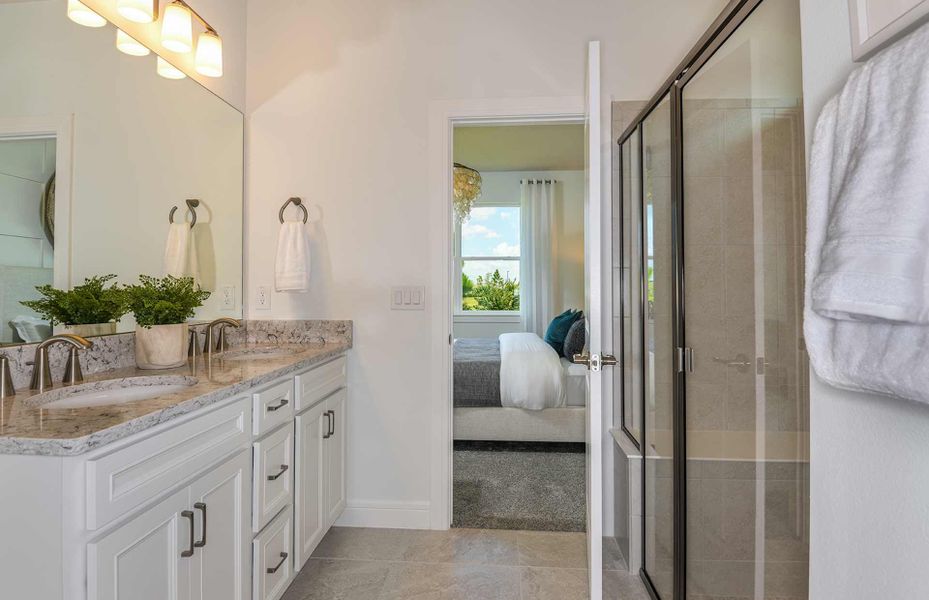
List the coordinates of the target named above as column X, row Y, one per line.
column 27, row 428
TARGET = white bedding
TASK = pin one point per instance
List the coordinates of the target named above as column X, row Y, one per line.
column 531, row 375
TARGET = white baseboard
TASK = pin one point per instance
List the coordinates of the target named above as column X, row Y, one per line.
column 385, row 514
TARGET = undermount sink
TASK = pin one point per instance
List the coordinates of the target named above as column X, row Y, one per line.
column 261, row 353
column 114, row 391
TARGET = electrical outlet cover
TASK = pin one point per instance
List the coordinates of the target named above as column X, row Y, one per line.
column 263, row 297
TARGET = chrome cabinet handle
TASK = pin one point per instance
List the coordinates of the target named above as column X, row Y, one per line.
column 201, row 506
column 328, row 433
column 189, row 514
column 281, row 472
column 284, row 402
column 279, row 565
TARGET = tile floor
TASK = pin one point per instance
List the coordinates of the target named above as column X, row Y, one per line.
column 459, row 564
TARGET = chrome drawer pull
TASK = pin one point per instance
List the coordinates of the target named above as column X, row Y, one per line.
column 279, row 565
column 283, row 470
column 201, row 506
column 189, row 514
column 327, row 435
column 284, row 402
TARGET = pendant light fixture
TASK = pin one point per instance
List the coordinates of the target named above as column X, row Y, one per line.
column 177, row 27
column 138, row 11
column 127, row 44
column 82, row 15
column 169, row 71
column 209, row 58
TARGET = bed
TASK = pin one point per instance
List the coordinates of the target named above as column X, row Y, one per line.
column 497, row 398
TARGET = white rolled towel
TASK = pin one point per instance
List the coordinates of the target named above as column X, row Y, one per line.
column 292, row 265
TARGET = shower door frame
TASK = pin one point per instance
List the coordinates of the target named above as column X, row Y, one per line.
column 729, row 20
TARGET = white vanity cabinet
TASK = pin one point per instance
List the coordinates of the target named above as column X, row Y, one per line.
column 224, row 503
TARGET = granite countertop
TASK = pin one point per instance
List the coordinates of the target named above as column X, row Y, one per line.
column 27, row 428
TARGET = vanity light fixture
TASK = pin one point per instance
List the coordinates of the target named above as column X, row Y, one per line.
column 169, row 71
column 138, row 11
column 176, row 28
column 82, row 15
column 126, row 44
column 209, row 59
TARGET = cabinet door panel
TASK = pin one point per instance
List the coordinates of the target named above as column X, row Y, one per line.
column 222, row 505
column 335, row 456
column 141, row 559
column 273, row 475
column 310, row 512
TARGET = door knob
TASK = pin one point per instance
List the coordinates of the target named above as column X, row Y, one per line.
column 608, row 360
column 581, row 359
column 594, row 361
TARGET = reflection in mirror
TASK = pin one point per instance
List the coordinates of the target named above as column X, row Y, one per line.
column 127, row 146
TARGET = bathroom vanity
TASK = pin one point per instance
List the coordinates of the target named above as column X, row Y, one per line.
column 218, row 491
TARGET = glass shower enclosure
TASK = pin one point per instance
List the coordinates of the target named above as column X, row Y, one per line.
column 718, row 193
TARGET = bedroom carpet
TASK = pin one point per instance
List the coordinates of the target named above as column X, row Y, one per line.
column 514, row 485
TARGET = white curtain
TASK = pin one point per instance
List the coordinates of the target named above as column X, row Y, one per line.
column 537, row 263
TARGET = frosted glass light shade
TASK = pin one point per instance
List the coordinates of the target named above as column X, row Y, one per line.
column 138, row 11
column 209, row 59
column 176, row 28
column 126, row 44
column 169, row 71
column 80, row 14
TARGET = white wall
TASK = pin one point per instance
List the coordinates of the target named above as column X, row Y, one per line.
column 869, row 477
column 226, row 16
column 338, row 101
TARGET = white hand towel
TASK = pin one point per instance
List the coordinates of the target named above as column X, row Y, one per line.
column 192, row 268
column 875, row 256
column 292, row 265
column 177, row 248
column 866, row 353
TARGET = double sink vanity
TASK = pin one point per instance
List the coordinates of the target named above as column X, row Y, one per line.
column 213, row 481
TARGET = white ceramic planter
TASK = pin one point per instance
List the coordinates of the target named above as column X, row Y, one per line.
column 161, row 346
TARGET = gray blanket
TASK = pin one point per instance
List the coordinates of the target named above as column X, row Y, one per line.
column 477, row 372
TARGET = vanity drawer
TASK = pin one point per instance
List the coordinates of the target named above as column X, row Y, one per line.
column 272, row 558
column 273, row 406
column 317, row 383
column 124, row 479
column 273, row 474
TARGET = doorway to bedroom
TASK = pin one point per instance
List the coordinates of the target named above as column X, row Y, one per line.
column 517, row 300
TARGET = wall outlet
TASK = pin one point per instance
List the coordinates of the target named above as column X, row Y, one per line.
column 263, row 297
column 228, row 297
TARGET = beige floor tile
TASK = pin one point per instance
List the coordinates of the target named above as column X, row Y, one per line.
column 324, row 579
column 479, row 546
column 613, row 559
column 364, row 543
column 623, row 585
column 552, row 549
column 539, row 583
column 415, row 581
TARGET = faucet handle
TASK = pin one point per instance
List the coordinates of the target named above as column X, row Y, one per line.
column 73, row 373
column 6, row 378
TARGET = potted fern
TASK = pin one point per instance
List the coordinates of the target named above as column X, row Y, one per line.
column 88, row 309
column 161, row 307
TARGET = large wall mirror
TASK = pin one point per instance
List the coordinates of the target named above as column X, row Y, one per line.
column 95, row 151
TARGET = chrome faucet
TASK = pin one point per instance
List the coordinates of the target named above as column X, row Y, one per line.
column 42, row 374
column 220, row 345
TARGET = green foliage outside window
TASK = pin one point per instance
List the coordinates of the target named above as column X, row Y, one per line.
column 490, row 292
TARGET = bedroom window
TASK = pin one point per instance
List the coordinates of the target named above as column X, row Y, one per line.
column 488, row 260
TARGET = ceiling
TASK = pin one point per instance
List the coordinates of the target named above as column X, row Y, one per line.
column 552, row 147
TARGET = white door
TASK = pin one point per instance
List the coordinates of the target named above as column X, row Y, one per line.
column 335, row 456
column 593, row 310
column 147, row 558
column 221, row 500
column 310, row 508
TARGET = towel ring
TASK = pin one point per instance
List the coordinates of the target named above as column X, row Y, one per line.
column 191, row 205
column 298, row 202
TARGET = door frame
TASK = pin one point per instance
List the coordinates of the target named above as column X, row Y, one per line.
column 62, row 129
column 444, row 115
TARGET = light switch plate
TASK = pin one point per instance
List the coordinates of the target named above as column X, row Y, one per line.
column 408, row 298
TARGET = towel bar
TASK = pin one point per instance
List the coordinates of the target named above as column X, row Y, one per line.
column 191, row 205
column 298, row 202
